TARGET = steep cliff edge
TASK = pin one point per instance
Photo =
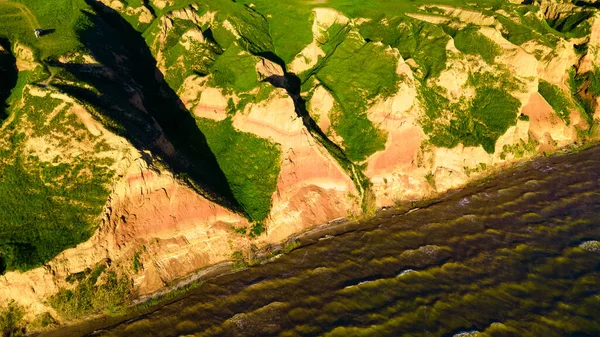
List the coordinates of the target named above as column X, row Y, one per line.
column 144, row 140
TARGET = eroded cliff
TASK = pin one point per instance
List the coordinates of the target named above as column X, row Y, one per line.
column 167, row 136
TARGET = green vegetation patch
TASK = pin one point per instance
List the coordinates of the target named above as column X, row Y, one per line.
column 100, row 291
column 522, row 28
column 134, row 19
column 181, row 62
column 470, row 41
column 333, row 37
column 495, row 109
column 501, row 78
column 520, row 149
column 557, row 99
column 524, row 24
column 355, row 90
column 425, row 43
column 251, row 26
column 574, row 25
column 46, row 206
column 430, row 177
column 137, row 264
column 290, row 246
column 45, row 211
column 584, row 88
column 236, row 34
column 361, row 137
column 263, row 91
column 290, row 25
column 43, row 320
column 11, row 320
column 58, row 18
column 479, row 122
column 235, row 70
column 239, row 262
column 250, row 164
column 256, row 230
column 594, row 78
column 516, row 33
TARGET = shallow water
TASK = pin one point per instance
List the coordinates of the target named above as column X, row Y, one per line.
column 514, row 257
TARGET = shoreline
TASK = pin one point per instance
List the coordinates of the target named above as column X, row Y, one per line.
column 179, row 289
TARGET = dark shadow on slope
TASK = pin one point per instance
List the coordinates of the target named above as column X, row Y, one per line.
column 569, row 23
column 587, row 4
column 209, row 36
column 8, row 76
column 133, row 100
column 47, row 32
column 147, row 4
column 292, row 84
column 275, row 59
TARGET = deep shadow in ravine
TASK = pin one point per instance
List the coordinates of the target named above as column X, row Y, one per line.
column 8, row 76
column 292, row 84
column 133, row 100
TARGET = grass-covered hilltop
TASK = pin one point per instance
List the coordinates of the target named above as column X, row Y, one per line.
column 143, row 140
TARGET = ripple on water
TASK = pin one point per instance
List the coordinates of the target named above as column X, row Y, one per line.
column 583, row 185
column 424, row 256
column 463, row 202
column 591, row 246
column 472, row 333
column 534, row 183
column 485, row 195
column 468, row 223
column 406, row 271
column 531, row 217
column 546, row 169
column 510, row 191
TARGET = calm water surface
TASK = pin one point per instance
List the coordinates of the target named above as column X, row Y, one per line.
column 516, row 256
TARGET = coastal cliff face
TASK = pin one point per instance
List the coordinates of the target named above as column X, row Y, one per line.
column 151, row 139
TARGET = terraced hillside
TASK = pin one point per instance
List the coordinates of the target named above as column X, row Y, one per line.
column 143, row 140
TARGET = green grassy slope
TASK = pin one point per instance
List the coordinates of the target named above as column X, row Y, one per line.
column 59, row 18
column 251, row 164
column 559, row 101
column 470, row 41
column 290, row 32
column 47, row 205
column 354, row 90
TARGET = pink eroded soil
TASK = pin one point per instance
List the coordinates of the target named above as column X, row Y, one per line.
column 181, row 230
column 312, row 188
column 401, row 150
column 545, row 126
column 202, row 110
column 162, row 210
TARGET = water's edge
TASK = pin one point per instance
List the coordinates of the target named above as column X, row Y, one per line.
column 310, row 237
